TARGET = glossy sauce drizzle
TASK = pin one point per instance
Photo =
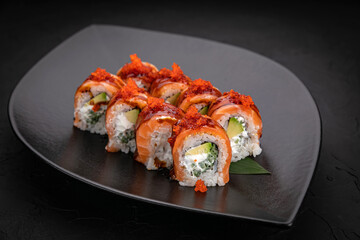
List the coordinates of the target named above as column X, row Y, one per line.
column 157, row 107
column 233, row 97
column 166, row 76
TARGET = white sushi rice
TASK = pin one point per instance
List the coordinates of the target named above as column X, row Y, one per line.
column 200, row 106
column 211, row 177
column 192, row 162
column 246, row 143
column 121, row 124
column 85, row 113
column 161, row 148
column 140, row 84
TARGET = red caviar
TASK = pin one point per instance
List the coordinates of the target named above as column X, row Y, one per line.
column 176, row 74
column 129, row 90
column 200, row 186
column 157, row 106
column 136, row 68
column 237, row 98
column 200, row 86
column 96, row 107
column 155, row 103
column 102, row 75
column 168, row 77
column 233, row 97
column 192, row 120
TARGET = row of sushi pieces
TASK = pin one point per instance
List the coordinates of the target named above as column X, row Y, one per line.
column 170, row 121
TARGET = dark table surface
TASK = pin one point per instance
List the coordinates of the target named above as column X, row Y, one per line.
column 318, row 43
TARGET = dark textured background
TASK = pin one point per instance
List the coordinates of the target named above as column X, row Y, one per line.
column 319, row 43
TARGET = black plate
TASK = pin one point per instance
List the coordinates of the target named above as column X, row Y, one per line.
column 41, row 113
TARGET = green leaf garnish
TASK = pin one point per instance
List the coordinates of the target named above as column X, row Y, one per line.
column 247, row 166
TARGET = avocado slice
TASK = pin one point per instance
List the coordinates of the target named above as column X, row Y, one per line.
column 203, row 148
column 211, row 151
column 235, row 128
column 98, row 99
column 132, row 115
column 173, row 98
column 204, row 110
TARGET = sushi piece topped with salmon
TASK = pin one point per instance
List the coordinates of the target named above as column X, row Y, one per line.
column 201, row 150
column 200, row 94
column 170, row 121
column 92, row 98
column 239, row 116
column 169, row 84
column 121, row 116
column 143, row 73
column 153, row 128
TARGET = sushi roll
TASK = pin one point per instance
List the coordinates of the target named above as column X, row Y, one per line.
column 92, row 98
column 201, row 150
column 153, row 128
column 169, row 84
column 121, row 116
column 200, row 94
column 241, row 119
column 143, row 73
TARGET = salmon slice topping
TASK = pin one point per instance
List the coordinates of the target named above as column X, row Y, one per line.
column 102, row 75
column 175, row 75
column 200, row 86
column 192, row 120
column 136, row 68
column 158, row 107
column 129, row 90
column 237, row 98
